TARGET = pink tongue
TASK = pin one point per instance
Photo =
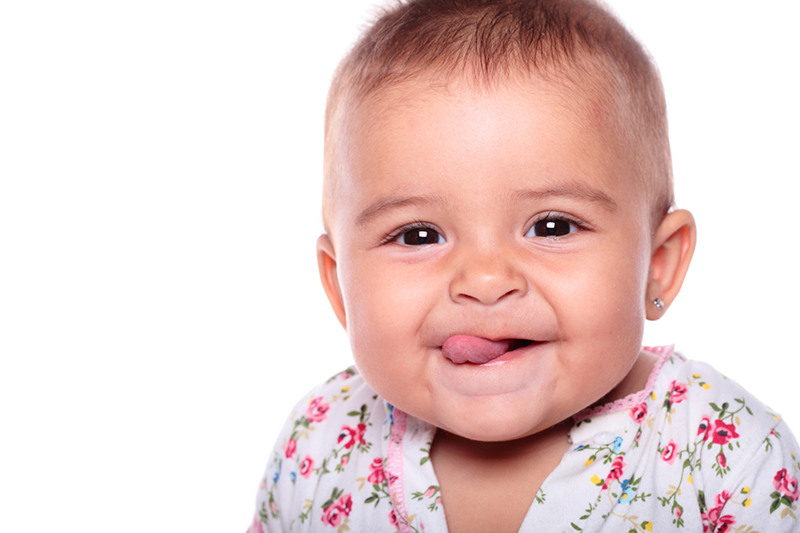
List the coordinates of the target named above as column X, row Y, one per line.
column 468, row 349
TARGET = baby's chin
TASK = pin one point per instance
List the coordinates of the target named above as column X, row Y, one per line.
column 489, row 434
column 493, row 419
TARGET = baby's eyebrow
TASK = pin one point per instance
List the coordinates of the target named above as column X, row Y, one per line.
column 572, row 190
column 382, row 205
column 576, row 190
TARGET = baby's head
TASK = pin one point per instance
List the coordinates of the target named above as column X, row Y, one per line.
column 576, row 45
column 496, row 205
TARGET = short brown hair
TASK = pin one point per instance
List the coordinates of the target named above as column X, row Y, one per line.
column 490, row 40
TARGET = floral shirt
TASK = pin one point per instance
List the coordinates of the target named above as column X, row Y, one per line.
column 691, row 451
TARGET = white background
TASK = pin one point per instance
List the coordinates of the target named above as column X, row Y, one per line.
column 160, row 171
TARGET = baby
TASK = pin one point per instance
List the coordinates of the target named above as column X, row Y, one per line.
column 499, row 223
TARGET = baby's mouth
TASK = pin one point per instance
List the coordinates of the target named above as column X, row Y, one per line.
column 477, row 350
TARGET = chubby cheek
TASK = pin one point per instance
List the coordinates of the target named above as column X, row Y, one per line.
column 609, row 316
column 386, row 308
column 599, row 302
column 609, row 307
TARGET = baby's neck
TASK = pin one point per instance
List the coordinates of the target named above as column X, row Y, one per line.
column 489, row 486
column 634, row 381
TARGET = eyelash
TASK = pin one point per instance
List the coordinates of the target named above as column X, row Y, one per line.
column 394, row 235
column 558, row 216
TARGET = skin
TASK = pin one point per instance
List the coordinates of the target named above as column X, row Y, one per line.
column 477, row 170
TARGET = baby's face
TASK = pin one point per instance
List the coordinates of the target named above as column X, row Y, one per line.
column 467, row 217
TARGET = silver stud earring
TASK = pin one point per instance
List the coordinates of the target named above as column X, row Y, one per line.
column 658, row 303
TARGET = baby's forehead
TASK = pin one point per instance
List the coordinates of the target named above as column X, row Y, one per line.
column 530, row 109
column 589, row 94
column 374, row 121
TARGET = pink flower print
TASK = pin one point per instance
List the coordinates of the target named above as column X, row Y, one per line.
column 724, row 523
column 713, row 519
column 377, row 475
column 616, row 468
column 721, row 461
column 345, row 459
column 307, row 466
column 393, row 519
column 430, row 492
column 791, row 489
column 256, row 527
column 670, row 452
column 348, row 435
column 677, row 392
column 616, row 471
column 335, row 512
column 706, row 525
column 352, row 436
column 677, row 511
column 786, row 484
column 317, row 410
column 709, row 518
column 779, row 479
column 332, row 515
column 346, row 503
column 723, row 432
column 705, row 425
column 291, row 448
column 639, row 412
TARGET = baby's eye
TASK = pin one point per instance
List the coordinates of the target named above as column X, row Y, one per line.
column 420, row 236
column 551, row 227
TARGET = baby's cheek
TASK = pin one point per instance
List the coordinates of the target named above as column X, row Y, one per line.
column 376, row 338
column 606, row 317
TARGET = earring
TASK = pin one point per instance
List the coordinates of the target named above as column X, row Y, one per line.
column 658, row 303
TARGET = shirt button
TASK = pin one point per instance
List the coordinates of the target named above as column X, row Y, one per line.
column 604, row 437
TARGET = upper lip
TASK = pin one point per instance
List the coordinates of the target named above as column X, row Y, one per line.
column 490, row 327
column 502, row 337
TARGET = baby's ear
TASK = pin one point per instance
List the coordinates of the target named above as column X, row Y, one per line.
column 673, row 247
column 326, row 261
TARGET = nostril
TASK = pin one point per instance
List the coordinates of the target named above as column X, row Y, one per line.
column 487, row 283
column 511, row 292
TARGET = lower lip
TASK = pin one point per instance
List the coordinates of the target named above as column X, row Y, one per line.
column 511, row 373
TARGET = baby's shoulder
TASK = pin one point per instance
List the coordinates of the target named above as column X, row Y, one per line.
column 343, row 407
column 695, row 399
column 697, row 394
column 331, row 444
column 735, row 446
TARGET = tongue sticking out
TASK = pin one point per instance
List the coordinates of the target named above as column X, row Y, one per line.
column 477, row 350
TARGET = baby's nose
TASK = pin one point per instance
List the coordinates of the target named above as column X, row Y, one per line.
column 486, row 279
